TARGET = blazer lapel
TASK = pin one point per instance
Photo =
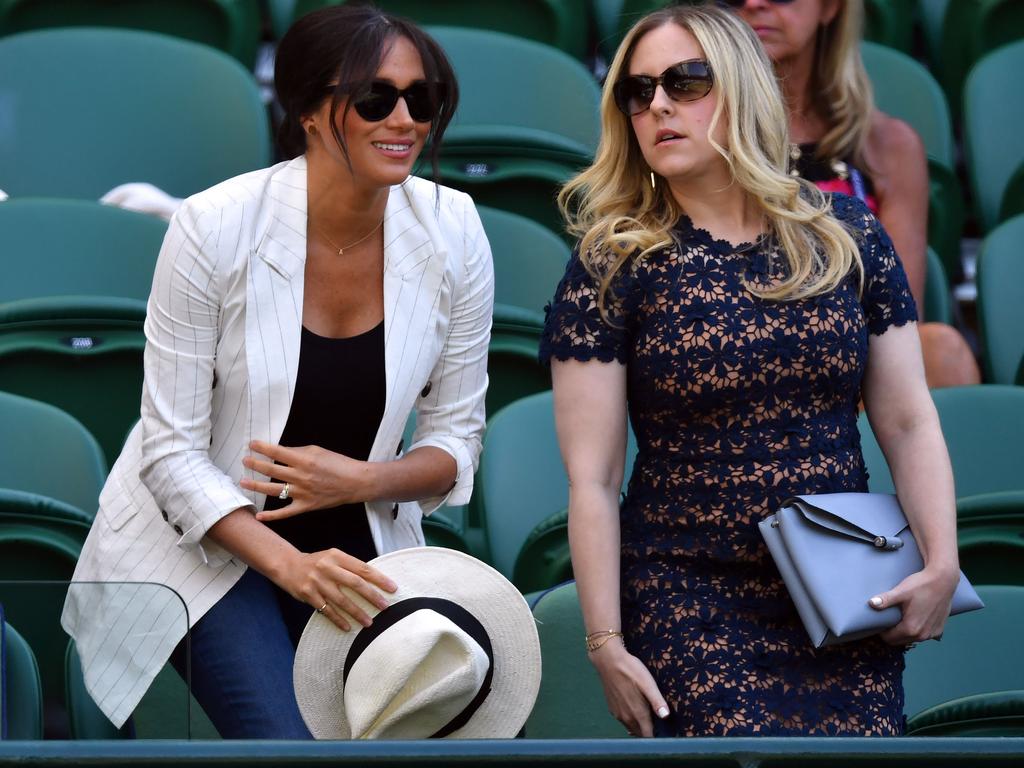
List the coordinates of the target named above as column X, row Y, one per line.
column 274, row 308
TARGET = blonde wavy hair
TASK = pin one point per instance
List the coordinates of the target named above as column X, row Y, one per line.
column 618, row 216
column 840, row 85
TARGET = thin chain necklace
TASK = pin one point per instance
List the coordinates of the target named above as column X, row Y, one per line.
column 341, row 250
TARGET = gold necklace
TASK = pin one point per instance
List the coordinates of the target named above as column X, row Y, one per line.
column 341, row 251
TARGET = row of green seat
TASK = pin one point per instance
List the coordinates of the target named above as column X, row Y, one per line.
column 970, row 684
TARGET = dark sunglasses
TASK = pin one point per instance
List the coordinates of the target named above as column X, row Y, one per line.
column 741, row 3
column 686, row 81
column 423, row 99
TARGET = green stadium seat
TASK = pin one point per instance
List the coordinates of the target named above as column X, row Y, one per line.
column 890, row 23
column 529, row 259
column 544, row 560
column 982, row 425
column 522, row 129
column 22, row 707
column 522, row 480
column 993, row 109
column 81, row 354
column 88, row 109
column 906, row 90
column 513, row 369
column 233, row 26
column 985, row 714
column 571, row 702
column 979, row 653
column 48, row 452
column 990, row 537
column 1000, row 281
column 971, row 29
column 562, row 24
column 59, row 247
column 938, row 303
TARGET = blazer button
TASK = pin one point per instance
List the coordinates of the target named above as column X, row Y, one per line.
column 394, row 512
column 164, row 513
column 401, row 445
column 177, row 530
column 426, row 390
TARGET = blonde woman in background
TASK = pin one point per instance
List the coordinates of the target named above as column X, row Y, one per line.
column 739, row 316
column 843, row 143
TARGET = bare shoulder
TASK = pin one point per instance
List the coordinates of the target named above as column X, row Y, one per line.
column 892, row 143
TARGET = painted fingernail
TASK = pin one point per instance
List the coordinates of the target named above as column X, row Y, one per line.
column 663, row 712
column 876, row 602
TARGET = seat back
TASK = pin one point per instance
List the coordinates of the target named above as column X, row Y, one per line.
column 60, row 247
column 979, row 653
column 938, row 304
column 21, row 708
column 522, row 479
column 1000, row 283
column 982, row 425
column 562, row 24
column 48, row 452
column 540, row 99
column 571, row 703
column 529, row 259
column 88, row 109
column 993, row 107
column 233, row 26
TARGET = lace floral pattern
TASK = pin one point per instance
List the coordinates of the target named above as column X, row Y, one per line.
column 737, row 403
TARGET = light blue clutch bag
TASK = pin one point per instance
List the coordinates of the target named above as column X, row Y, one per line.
column 837, row 550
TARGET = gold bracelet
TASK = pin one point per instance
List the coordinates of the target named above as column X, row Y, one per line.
column 595, row 640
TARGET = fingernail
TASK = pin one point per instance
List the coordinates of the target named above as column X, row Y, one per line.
column 663, row 712
column 392, row 587
column 876, row 602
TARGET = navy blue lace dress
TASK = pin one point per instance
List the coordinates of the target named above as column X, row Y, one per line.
column 737, row 403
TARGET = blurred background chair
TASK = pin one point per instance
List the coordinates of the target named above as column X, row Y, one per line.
column 993, row 110
column 71, row 316
column 1000, row 283
column 522, row 480
column 233, row 26
column 513, row 368
column 562, row 24
column 19, row 685
column 979, row 654
column 529, row 259
column 87, row 109
column 571, row 703
column 48, row 452
column 906, row 90
column 522, row 128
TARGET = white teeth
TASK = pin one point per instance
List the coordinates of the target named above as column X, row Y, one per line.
column 391, row 147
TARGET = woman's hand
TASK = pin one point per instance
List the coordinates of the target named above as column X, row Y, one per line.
column 317, row 578
column 629, row 689
column 924, row 598
column 316, row 478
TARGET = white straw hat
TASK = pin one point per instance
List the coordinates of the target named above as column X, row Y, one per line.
column 455, row 655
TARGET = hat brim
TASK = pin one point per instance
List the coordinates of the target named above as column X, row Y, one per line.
column 430, row 572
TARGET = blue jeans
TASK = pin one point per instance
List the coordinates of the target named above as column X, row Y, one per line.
column 242, row 652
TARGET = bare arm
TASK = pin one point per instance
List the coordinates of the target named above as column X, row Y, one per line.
column 906, row 424
column 590, row 415
column 899, row 169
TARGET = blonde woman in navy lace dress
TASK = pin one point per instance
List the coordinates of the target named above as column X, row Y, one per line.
column 739, row 316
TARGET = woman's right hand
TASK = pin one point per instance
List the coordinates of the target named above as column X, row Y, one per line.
column 317, row 579
column 633, row 696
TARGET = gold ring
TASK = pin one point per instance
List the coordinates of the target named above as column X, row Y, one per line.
column 286, row 492
column 321, row 608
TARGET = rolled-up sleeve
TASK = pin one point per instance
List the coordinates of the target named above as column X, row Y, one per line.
column 452, row 416
column 182, row 332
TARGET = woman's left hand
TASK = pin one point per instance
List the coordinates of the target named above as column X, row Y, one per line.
column 316, row 478
column 924, row 598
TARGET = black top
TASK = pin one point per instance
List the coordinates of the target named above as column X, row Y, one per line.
column 338, row 404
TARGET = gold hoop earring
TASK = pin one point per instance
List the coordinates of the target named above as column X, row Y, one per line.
column 311, row 129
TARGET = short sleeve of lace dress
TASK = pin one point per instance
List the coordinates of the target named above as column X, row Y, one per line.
column 574, row 328
column 886, row 297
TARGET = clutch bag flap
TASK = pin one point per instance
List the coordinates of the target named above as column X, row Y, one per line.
column 842, row 549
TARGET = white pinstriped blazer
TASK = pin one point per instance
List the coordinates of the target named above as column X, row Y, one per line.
column 223, row 329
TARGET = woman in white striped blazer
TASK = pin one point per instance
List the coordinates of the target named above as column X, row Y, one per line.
column 330, row 296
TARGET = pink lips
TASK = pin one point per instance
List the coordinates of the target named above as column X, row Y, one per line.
column 664, row 136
